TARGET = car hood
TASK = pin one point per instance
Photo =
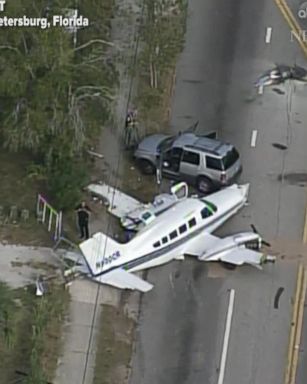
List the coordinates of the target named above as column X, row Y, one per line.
column 150, row 143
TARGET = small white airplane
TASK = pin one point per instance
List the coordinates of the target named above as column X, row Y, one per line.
column 184, row 229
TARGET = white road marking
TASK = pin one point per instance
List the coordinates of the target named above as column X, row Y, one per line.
column 260, row 90
column 254, row 138
column 268, row 35
column 170, row 276
column 226, row 336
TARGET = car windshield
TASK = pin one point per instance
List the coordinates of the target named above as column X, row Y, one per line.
column 230, row 158
column 166, row 143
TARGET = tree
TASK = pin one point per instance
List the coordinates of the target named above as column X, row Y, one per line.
column 54, row 95
column 162, row 38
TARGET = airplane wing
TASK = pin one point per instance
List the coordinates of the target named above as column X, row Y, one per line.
column 119, row 203
column 238, row 256
column 122, row 279
column 201, row 244
column 230, row 249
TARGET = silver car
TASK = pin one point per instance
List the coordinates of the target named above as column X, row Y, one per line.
column 208, row 164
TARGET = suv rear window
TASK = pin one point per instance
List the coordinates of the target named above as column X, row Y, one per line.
column 223, row 164
column 230, row 158
column 214, row 163
column 190, row 157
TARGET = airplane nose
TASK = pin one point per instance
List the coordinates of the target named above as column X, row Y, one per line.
column 244, row 190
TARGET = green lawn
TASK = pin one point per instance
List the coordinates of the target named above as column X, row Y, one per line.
column 17, row 188
column 30, row 333
column 114, row 346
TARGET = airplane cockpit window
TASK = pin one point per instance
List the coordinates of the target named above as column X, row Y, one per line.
column 212, row 208
column 205, row 212
column 157, row 244
column 164, row 240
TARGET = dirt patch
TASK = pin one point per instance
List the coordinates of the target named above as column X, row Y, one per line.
column 30, row 330
column 288, row 250
column 115, row 342
column 31, row 233
column 35, row 265
column 18, row 189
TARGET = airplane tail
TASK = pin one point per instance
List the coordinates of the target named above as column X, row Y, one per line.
column 103, row 257
column 101, row 251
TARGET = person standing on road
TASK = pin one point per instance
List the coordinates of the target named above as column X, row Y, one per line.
column 83, row 214
column 128, row 128
column 131, row 130
column 129, row 118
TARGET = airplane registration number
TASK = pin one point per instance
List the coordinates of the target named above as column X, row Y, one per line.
column 108, row 259
column 114, row 256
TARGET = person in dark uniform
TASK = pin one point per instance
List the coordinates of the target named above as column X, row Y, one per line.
column 129, row 119
column 83, row 213
column 128, row 128
column 131, row 129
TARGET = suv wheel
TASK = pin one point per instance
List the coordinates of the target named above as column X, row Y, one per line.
column 147, row 168
column 204, row 184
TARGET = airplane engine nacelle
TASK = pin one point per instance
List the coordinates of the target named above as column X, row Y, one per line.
column 249, row 239
column 245, row 239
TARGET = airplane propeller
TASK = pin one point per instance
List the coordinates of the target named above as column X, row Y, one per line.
column 263, row 241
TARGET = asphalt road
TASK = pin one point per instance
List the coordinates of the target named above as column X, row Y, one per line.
column 301, row 374
column 182, row 320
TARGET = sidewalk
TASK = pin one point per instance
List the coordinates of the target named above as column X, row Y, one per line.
column 77, row 363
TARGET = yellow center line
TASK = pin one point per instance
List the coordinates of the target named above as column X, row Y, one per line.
column 299, row 327
column 305, row 227
column 293, row 324
column 292, row 22
column 284, row 5
column 301, row 283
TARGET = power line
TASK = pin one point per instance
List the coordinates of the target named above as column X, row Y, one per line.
column 134, row 60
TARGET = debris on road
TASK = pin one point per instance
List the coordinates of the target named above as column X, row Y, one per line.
column 280, row 146
column 95, row 154
column 280, row 74
column 41, row 286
